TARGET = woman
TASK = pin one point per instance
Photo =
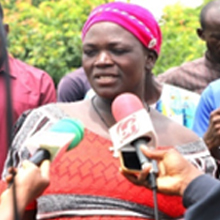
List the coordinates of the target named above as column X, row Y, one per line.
column 121, row 43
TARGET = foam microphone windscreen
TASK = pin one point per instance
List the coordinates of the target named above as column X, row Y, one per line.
column 125, row 105
column 65, row 133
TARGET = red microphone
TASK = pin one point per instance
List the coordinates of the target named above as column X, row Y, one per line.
column 125, row 105
column 133, row 129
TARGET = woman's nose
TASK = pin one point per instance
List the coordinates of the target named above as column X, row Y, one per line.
column 103, row 58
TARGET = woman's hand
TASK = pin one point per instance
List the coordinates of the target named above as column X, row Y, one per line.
column 175, row 172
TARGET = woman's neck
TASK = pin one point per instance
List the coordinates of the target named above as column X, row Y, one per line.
column 153, row 89
column 102, row 108
column 103, row 104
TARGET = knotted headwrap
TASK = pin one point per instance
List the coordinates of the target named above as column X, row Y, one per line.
column 135, row 19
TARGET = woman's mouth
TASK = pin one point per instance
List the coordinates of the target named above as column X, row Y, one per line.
column 106, row 79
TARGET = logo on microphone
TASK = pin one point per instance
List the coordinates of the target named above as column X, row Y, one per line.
column 128, row 128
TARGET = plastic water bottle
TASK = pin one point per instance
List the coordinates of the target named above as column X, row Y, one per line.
column 189, row 109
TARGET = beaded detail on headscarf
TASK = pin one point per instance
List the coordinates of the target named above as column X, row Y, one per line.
column 137, row 20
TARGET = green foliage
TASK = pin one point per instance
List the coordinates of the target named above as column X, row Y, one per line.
column 180, row 40
column 47, row 34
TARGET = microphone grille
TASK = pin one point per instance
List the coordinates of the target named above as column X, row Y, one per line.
column 125, row 104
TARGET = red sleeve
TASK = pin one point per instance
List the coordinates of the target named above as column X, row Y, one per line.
column 48, row 91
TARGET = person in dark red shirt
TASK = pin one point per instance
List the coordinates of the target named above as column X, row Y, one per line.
column 31, row 87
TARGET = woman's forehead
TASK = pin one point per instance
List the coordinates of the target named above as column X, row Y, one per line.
column 108, row 31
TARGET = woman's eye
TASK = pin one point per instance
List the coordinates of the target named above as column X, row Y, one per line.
column 89, row 52
column 119, row 51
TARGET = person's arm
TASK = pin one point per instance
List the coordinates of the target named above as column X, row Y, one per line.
column 47, row 90
column 175, row 172
column 201, row 197
column 30, row 182
column 207, row 122
column 177, row 176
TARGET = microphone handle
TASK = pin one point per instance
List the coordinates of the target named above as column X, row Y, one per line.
column 137, row 144
column 151, row 178
column 40, row 156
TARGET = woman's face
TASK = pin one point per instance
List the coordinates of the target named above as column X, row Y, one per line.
column 114, row 60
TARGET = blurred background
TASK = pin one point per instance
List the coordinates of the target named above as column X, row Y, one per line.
column 47, row 33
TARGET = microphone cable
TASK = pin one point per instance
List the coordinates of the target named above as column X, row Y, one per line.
column 152, row 176
column 152, row 179
column 9, row 115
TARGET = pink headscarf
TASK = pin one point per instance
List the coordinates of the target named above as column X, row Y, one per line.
column 136, row 19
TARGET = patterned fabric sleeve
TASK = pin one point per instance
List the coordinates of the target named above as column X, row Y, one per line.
column 28, row 124
column 198, row 154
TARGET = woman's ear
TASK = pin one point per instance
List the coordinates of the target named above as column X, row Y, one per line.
column 151, row 58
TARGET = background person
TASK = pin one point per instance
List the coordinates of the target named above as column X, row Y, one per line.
column 31, row 87
column 119, row 53
column 196, row 75
column 73, row 86
column 207, row 117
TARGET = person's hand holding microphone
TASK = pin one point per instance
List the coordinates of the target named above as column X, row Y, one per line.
column 175, row 172
column 30, row 181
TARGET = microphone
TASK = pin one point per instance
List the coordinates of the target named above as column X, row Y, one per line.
column 133, row 129
column 66, row 133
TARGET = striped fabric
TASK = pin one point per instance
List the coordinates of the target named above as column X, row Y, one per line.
column 193, row 76
column 60, row 205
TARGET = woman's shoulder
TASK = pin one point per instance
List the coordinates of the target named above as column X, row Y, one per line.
column 79, row 109
column 76, row 104
column 82, row 110
column 170, row 132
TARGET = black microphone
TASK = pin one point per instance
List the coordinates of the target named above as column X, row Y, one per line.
column 40, row 156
